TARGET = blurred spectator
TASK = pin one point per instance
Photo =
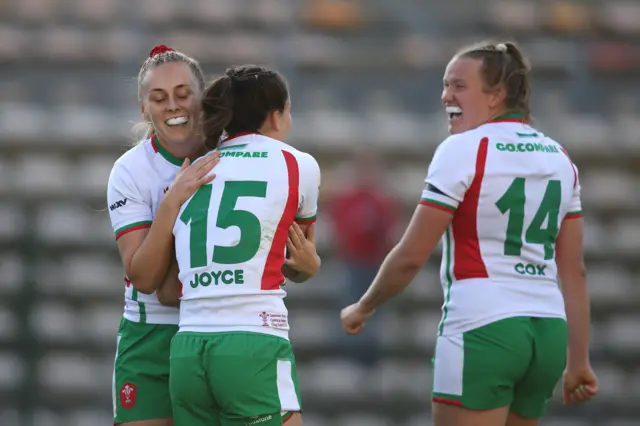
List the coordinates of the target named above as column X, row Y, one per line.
column 364, row 216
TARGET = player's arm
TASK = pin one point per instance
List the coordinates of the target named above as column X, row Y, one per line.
column 573, row 280
column 145, row 243
column 406, row 259
column 303, row 261
column 450, row 173
column 169, row 290
column 146, row 250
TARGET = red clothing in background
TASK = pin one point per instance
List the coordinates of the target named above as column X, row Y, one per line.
column 364, row 220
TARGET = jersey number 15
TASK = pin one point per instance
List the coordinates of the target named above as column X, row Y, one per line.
column 196, row 214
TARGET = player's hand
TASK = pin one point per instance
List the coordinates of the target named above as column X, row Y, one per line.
column 191, row 177
column 302, row 250
column 354, row 318
column 579, row 385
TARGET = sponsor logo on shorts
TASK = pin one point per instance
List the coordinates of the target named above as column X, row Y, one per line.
column 274, row 320
column 128, row 393
column 259, row 420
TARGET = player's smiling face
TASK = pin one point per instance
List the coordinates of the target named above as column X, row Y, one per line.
column 170, row 100
column 467, row 103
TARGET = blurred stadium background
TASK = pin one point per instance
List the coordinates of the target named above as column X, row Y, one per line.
column 365, row 76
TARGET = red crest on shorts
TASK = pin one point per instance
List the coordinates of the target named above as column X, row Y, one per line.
column 128, row 393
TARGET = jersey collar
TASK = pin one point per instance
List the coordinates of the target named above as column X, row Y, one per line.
column 509, row 118
column 239, row 135
column 231, row 140
column 158, row 148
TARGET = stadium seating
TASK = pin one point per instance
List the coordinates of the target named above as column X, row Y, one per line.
column 363, row 75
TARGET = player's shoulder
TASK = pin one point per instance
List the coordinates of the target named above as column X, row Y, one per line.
column 132, row 163
column 461, row 145
column 135, row 157
column 303, row 158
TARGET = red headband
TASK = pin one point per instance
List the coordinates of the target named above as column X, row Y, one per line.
column 160, row 49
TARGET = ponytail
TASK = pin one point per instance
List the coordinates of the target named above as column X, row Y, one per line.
column 217, row 110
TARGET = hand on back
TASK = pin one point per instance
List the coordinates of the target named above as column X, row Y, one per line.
column 191, row 177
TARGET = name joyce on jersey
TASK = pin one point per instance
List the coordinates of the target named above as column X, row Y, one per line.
column 224, row 277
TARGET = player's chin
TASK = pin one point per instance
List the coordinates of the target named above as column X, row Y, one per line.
column 180, row 134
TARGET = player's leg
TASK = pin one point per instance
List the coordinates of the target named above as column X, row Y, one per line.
column 141, row 375
column 535, row 389
column 193, row 402
column 254, row 380
column 292, row 419
column 475, row 373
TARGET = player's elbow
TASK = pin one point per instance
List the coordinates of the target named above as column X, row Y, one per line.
column 141, row 284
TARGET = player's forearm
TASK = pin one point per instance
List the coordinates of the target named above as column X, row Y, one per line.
column 169, row 290
column 150, row 263
column 395, row 274
column 577, row 308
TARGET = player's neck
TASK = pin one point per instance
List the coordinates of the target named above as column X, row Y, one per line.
column 190, row 150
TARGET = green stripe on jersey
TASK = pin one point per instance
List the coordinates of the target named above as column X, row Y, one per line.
column 437, row 203
column 447, row 297
column 141, row 225
column 306, row 219
column 233, row 147
column 141, row 306
column 574, row 213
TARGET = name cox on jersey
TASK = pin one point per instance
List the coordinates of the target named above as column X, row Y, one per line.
column 205, row 279
column 530, row 269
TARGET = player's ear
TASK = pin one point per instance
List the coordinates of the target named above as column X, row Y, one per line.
column 143, row 111
column 274, row 120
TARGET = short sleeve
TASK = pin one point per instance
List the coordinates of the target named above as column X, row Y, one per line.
column 309, row 187
column 128, row 209
column 450, row 174
column 575, row 205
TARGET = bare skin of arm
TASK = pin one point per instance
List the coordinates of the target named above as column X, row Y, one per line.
column 573, row 278
column 168, row 291
column 401, row 265
column 146, row 253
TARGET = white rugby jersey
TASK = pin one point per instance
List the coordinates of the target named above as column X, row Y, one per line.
column 231, row 236
column 510, row 187
column 137, row 184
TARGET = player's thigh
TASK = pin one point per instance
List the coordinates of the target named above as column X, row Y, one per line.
column 192, row 400
column 478, row 369
column 536, row 387
column 141, row 372
column 451, row 415
column 253, row 377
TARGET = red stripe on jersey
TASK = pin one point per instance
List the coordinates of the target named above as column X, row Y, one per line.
column 573, row 216
column 134, row 228
column 468, row 261
column 437, row 206
column 575, row 175
column 272, row 277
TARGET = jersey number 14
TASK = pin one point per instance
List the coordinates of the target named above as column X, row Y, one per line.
column 196, row 214
column 514, row 202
